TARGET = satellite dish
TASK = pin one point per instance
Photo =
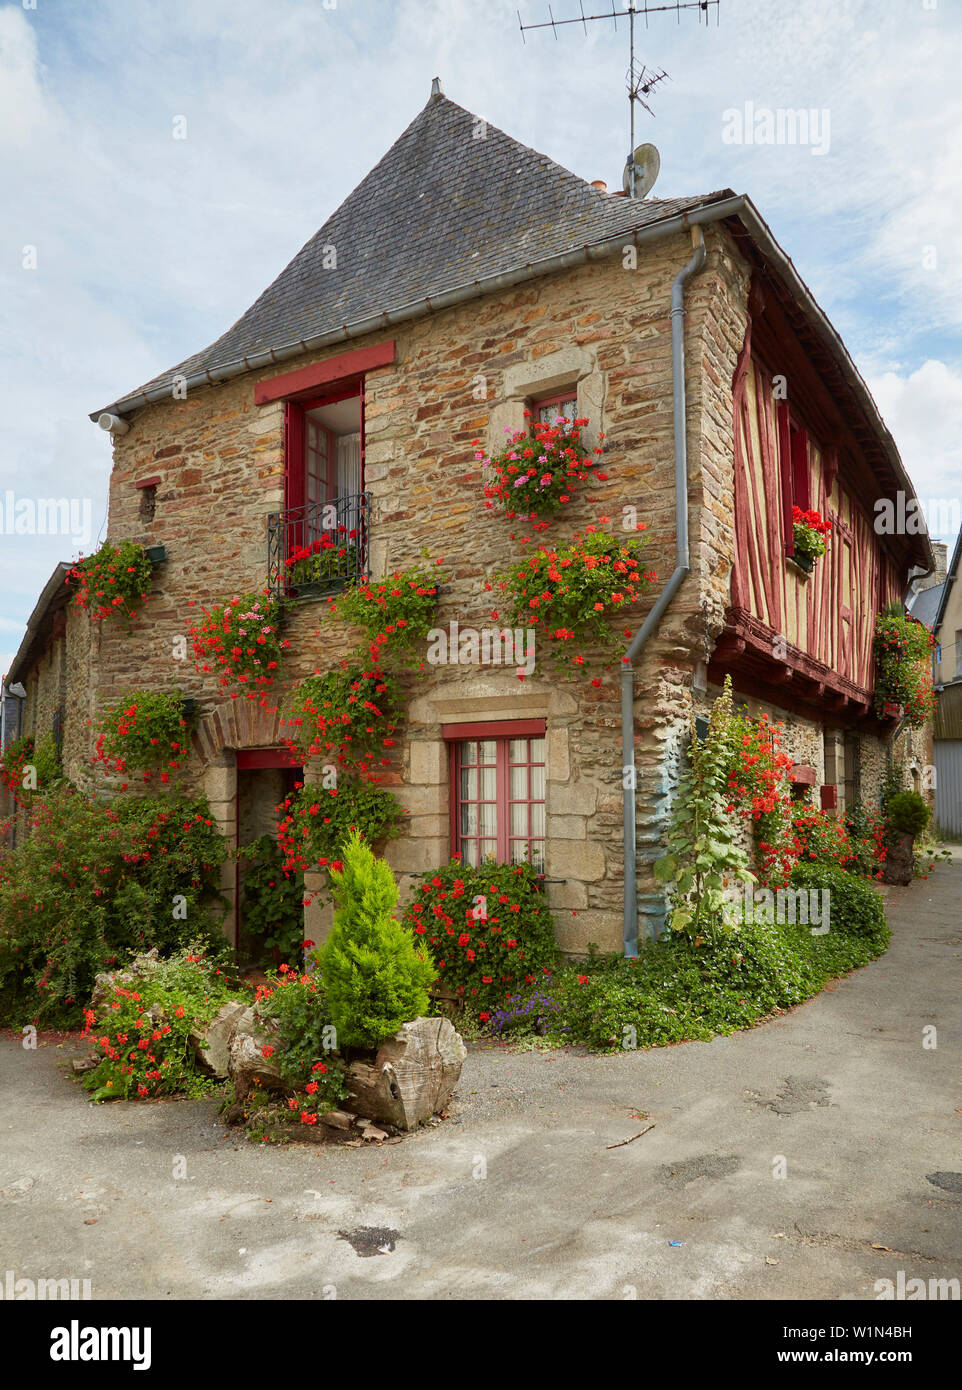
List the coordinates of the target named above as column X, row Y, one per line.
column 647, row 163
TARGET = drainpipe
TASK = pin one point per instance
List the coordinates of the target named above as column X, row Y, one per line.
column 682, row 568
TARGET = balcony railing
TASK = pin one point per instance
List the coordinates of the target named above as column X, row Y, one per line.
column 319, row 548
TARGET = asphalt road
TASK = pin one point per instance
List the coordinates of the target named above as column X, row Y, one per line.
column 518, row 1195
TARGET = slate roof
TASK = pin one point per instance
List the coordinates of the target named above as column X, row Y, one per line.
column 442, row 209
column 925, row 604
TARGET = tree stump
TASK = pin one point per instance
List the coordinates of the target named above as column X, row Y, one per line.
column 900, row 860
column 412, row 1077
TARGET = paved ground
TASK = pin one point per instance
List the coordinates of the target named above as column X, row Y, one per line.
column 519, row 1195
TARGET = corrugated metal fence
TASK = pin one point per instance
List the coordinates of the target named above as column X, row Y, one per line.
column 948, row 786
column 948, row 760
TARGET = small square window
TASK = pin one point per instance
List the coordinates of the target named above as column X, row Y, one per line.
column 547, row 410
column 148, row 504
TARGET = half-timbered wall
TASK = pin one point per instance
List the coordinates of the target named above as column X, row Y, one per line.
column 828, row 615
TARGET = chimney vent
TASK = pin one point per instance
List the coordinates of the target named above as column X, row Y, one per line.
column 600, row 184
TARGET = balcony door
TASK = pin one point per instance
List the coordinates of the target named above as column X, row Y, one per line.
column 324, row 474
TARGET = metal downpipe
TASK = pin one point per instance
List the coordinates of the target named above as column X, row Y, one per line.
column 682, row 568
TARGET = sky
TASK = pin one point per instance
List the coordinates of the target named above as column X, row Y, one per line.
column 161, row 162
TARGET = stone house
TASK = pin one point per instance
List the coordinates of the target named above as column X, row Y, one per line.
column 466, row 279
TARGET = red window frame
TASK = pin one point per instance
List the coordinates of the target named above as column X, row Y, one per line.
column 502, row 734
column 794, row 471
column 539, row 403
column 295, row 443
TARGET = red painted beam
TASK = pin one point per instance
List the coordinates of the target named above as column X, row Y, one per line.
column 512, row 728
column 308, row 380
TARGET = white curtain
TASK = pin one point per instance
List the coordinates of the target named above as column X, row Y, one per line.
column 348, row 465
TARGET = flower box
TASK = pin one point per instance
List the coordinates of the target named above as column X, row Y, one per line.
column 318, row 588
column 156, row 554
column 188, row 707
column 805, row 563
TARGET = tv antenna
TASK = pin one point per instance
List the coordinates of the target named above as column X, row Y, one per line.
column 640, row 80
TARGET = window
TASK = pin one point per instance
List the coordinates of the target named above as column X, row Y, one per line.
column 547, row 409
column 794, row 471
column 322, row 530
column 148, row 498
column 498, row 792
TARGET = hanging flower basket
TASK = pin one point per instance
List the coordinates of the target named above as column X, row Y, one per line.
column 903, row 668
column 156, row 554
column 809, row 534
column 540, row 469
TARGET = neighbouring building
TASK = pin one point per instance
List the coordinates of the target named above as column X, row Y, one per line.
column 466, row 279
column 940, row 608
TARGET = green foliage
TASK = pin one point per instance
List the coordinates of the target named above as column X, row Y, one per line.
column 686, row 988
column 94, row 884
column 375, row 976
column 395, row 614
column 113, row 582
column 892, row 783
column 856, row 913
column 489, row 929
column 569, row 595
column 147, row 730
column 680, row 990
column 23, row 753
column 273, row 900
column 903, row 667
column 907, row 813
column 703, row 859
column 318, row 820
column 349, row 713
column 142, row 1029
column 306, row 1039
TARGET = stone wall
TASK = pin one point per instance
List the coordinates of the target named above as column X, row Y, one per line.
column 461, row 375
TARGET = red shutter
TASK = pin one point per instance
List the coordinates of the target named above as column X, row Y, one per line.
column 785, row 475
column 293, row 455
column 801, row 487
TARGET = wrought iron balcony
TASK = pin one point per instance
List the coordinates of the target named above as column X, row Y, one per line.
column 318, row 549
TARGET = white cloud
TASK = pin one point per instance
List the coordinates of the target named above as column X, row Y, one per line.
column 923, row 410
column 149, row 247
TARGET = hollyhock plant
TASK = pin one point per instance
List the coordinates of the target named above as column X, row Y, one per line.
column 541, row 468
column 147, row 730
column 569, row 595
column 112, row 583
column 809, row 531
column 239, row 641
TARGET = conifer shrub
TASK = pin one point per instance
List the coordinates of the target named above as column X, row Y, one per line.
column 375, row 976
column 908, row 813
